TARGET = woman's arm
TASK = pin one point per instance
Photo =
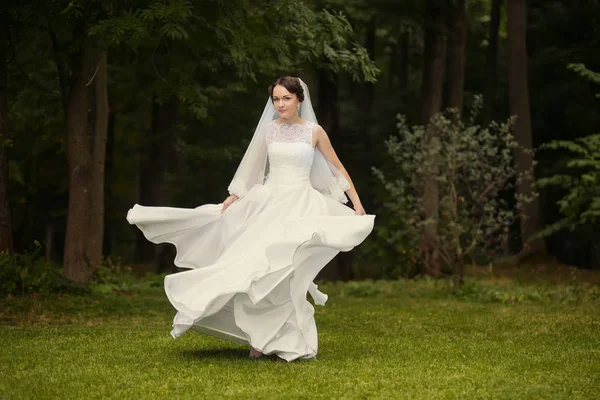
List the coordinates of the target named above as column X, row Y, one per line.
column 324, row 145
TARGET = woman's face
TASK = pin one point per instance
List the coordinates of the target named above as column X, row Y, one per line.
column 285, row 103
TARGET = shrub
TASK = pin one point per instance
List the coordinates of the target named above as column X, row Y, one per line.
column 580, row 206
column 472, row 166
column 111, row 276
column 28, row 272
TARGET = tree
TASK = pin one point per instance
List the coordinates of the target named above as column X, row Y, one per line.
column 491, row 63
column 433, row 62
column 457, row 37
column 433, row 79
column 6, row 239
column 329, row 118
column 83, row 82
column 100, row 126
column 519, row 107
column 157, row 160
column 474, row 163
column 79, row 158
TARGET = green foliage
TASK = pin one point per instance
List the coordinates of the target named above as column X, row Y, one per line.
column 29, row 273
column 38, row 178
column 586, row 73
column 580, row 206
column 189, row 40
column 167, row 19
column 472, row 166
column 113, row 277
column 326, row 36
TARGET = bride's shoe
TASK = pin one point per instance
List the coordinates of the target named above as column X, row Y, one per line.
column 254, row 353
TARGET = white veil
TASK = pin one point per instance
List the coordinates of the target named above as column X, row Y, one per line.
column 253, row 168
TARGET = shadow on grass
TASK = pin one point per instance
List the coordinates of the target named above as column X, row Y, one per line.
column 224, row 354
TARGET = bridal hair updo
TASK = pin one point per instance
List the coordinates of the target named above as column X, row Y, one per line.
column 291, row 83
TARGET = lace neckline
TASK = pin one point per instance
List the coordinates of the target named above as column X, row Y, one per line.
column 290, row 133
column 283, row 123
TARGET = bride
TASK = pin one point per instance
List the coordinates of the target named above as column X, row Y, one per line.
column 252, row 259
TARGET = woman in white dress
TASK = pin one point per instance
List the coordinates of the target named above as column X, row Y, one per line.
column 253, row 258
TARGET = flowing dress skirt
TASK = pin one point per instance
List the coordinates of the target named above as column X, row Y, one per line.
column 250, row 268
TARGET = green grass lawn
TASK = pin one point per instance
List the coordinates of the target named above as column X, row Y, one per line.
column 376, row 340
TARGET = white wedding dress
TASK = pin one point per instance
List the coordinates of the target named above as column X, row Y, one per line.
column 252, row 266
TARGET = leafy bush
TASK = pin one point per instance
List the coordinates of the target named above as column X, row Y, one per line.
column 581, row 180
column 580, row 206
column 111, row 276
column 28, row 273
column 472, row 166
column 22, row 274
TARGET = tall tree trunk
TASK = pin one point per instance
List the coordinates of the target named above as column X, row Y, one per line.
column 96, row 233
column 595, row 253
column 399, row 62
column 404, row 61
column 147, row 174
column 457, row 40
column 434, row 57
column 519, row 106
column 364, row 92
column 49, row 242
column 79, row 157
column 327, row 112
column 61, row 69
column 109, row 172
column 328, row 116
column 392, row 73
column 433, row 80
column 6, row 239
column 363, row 122
column 491, row 64
column 158, row 159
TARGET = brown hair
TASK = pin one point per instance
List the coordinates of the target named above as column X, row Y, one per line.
column 292, row 84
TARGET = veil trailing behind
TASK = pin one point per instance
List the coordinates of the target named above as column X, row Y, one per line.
column 250, row 268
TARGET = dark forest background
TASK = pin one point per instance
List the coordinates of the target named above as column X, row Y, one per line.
column 104, row 104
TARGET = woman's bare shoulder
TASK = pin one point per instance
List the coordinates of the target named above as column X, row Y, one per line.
column 318, row 130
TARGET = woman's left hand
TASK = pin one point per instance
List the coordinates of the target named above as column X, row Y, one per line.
column 359, row 209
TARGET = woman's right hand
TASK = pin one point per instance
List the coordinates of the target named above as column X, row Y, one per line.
column 228, row 201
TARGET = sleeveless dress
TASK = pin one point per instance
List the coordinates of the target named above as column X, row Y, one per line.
column 250, row 268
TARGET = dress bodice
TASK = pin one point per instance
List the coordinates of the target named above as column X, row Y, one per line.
column 290, row 153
